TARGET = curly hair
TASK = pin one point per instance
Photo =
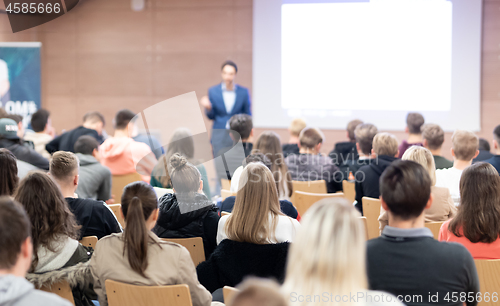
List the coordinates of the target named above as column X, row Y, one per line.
column 8, row 173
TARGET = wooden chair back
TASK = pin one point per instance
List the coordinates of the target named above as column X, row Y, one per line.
column 371, row 210
column 89, row 241
column 434, row 227
column 224, row 193
column 304, row 200
column 365, row 224
column 118, row 182
column 116, row 209
column 225, row 184
column 121, row 294
column 61, row 289
column 228, row 293
column 488, row 272
column 308, row 186
column 194, row 245
column 349, row 191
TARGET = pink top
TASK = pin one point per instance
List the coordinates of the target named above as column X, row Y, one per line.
column 479, row 250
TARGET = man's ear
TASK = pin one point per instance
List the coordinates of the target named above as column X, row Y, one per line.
column 373, row 153
column 452, row 152
column 26, row 254
column 251, row 132
column 76, row 179
column 357, row 147
column 407, row 131
column 495, row 144
column 318, row 147
column 201, row 185
column 425, row 143
column 384, row 204
column 397, row 154
column 475, row 155
column 429, row 202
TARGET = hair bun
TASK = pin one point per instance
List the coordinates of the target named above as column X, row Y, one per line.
column 177, row 161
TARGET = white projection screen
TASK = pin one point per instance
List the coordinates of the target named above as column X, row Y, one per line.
column 333, row 61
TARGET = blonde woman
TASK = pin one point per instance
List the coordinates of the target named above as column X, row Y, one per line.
column 442, row 207
column 327, row 261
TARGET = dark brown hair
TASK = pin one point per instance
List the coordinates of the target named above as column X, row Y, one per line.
column 8, row 173
column 86, row 145
column 478, row 216
column 414, row 122
column 94, row 117
column 405, row 186
column 241, row 124
column 351, row 126
column 122, row 118
column 229, row 63
column 185, row 177
column 15, row 228
column 39, row 120
column 138, row 203
column 47, row 210
column 63, row 165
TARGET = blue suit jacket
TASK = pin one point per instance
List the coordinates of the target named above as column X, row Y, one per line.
column 218, row 112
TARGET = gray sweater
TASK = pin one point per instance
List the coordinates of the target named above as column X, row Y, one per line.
column 95, row 179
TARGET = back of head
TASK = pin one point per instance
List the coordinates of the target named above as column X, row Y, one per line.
column 138, row 203
column 484, row 145
column 385, row 144
column 8, row 173
column 181, row 142
column 258, row 158
column 94, row 117
column 464, row 144
column 496, row 134
column 15, row 228
column 86, row 145
column 296, row 126
column 185, row 177
column 315, row 262
column 241, row 124
column 39, row 120
column 364, row 134
column 15, row 117
column 414, row 122
column 310, row 137
column 258, row 292
column 47, row 210
column 256, row 199
column 478, row 216
column 123, row 118
column 405, row 186
column 351, row 126
column 434, row 135
column 64, row 166
column 424, row 157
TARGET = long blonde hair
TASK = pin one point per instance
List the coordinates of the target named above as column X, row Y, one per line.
column 269, row 144
column 328, row 254
column 256, row 199
column 424, row 157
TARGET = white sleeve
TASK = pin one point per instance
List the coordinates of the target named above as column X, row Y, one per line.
column 221, row 233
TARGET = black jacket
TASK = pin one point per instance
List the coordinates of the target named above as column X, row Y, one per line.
column 286, row 207
column 94, row 216
column 290, row 148
column 66, row 141
column 232, row 261
column 368, row 186
column 24, row 153
column 343, row 152
column 200, row 220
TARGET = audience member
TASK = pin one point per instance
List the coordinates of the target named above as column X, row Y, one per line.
column 433, row 139
column 43, row 131
column 182, row 142
column 464, row 149
column 495, row 159
column 477, row 223
column 269, row 144
column 254, row 238
column 310, row 165
column 414, row 122
column 442, row 207
column 11, row 141
column 406, row 260
column 385, row 147
column 95, row 179
column 187, row 212
column 292, row 147
column 20, row 128
column 93, row 125
column 346, row 150
column 15, row 260
column 57, row 255
column 257, row 292
column 8, row 173
column 484, row 151
column 138, row 256
column 148, row 139
column 364, row 134
column 329, row 255
column 123, row 155
column 94, row 217
column 227, row 205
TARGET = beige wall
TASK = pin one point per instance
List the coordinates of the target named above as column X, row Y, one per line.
column 102, row 56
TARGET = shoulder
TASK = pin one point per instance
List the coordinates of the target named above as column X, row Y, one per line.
column 141, row 146
column 46, row 298
column 242, row 89
column 215, row 88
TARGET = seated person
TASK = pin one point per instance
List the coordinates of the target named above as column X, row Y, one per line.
column 187, row 212
column 414, row 122
column 364, row 134
column 95, row 179
column 95, row 217
column 406, row 260
column 442, row 207
column 346, row 150
column 43, row 131
column 385, row 148
column 292, row 147
column 477, row 223
column 15, row 259
column 484, row 150
column 227, row 205
column 123, row 155
column 148, row 139
column 138, row 256
column 254, row 238
column 433, row 139
column 495, row 159
column 310, row 165
column 463, row 149
column 93, row 125
column 10, row 140
column 258, row 292
column 182, row 142
column 8, row 173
